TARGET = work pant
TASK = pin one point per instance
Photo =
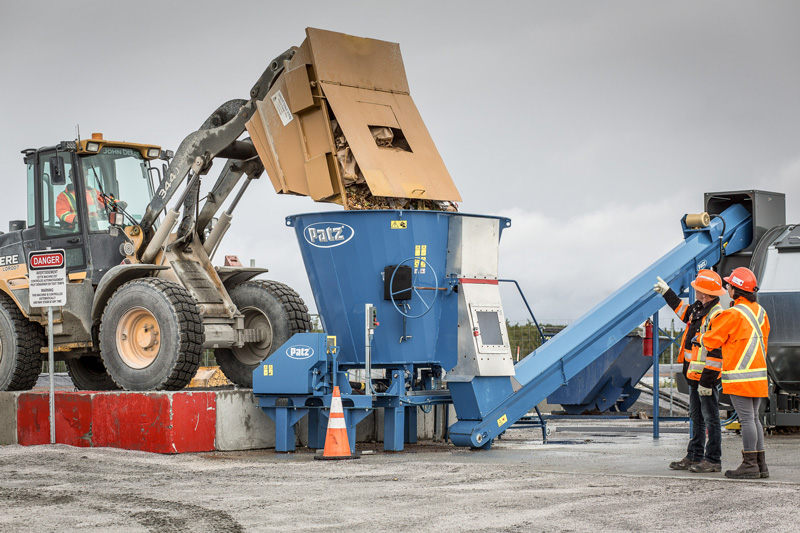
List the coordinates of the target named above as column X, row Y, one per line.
column 704, row 414
column 752, row 430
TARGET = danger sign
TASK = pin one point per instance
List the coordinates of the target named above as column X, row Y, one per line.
column 47, row 278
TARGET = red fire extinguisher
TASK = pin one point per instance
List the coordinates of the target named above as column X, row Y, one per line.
column 647, row 347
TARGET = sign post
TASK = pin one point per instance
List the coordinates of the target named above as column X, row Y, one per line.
column 47, row 278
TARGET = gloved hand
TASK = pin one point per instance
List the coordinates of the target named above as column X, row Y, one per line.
column 661, row 286
column 703, row 391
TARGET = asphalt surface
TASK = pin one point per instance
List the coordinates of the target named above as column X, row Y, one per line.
column 587, row 477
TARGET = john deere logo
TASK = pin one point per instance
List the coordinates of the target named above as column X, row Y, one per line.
column 327, row 234
column 300, row 352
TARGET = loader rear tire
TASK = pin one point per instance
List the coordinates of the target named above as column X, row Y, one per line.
column 20, row 348
column 151, row 335
column 274, row 307
column 89, row 373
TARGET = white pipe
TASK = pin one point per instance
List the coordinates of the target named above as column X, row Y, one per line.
column 217, row 232
column 161, row 235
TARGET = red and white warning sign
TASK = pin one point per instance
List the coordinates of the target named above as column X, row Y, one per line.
column 47, row 275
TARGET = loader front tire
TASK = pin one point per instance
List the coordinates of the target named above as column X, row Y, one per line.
column 151, row 335
column 89, row 373
column 20, row 348
column 272, row 307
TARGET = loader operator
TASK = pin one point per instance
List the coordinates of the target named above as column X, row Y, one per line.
column 701, row 369
column 741, row 334
column 67, row 207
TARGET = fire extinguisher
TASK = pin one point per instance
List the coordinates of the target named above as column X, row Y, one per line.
column 647, row 347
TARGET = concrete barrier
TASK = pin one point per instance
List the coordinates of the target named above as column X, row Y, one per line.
column 163, row 422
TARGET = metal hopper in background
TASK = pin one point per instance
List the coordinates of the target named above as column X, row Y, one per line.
column 340, row 121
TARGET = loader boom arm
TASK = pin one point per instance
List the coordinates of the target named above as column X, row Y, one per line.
column 216, row 137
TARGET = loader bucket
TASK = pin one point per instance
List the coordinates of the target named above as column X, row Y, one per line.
column 341, row 116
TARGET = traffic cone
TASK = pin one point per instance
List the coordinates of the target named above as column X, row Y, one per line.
column 337, row 445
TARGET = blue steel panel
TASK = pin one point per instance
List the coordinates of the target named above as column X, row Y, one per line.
column 345, row 272
column 585, row 385
column 288, row 369
column 544, row 370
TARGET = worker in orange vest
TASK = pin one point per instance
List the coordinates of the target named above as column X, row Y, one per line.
column 701, row 370
column 67, row 207
column 741, row 333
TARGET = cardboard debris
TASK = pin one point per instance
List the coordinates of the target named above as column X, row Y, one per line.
column 340, row 126
column 209, row 376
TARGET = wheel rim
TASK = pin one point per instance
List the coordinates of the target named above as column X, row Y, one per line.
column 138, row 338
column 253, row 353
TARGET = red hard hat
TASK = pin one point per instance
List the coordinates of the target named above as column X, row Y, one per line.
column 742, row 278
column 708, row 282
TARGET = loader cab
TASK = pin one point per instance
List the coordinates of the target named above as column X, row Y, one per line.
column 72, row 189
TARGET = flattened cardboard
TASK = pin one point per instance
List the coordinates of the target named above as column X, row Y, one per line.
column 357, row 61
column 395, row 173
column 363, row 82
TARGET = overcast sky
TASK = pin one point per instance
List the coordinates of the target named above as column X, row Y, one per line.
column 594, row 125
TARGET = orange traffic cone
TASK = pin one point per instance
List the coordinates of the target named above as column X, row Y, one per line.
column 337, row 445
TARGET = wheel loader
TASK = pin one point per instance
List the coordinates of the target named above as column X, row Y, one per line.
column 143, row 299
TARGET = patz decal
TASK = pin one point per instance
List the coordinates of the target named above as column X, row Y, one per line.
column 327, row 234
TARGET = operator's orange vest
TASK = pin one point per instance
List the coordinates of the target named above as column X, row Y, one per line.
column 700, row 359
column 684, row 313
column 67, row 208
column 741, row 333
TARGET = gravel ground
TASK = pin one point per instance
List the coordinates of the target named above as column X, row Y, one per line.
column 585, row 478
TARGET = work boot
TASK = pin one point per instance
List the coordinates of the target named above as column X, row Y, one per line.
column 705, row 467
column 762, row 464
column 683, row 464
column 748, row 469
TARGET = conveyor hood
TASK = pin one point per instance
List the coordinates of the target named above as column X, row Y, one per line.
column 359, row 84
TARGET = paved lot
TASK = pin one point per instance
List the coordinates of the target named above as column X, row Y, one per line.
column 604, row 479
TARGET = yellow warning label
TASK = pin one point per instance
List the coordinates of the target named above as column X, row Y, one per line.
column 267, row 370
column 502, row 420
column 399, row 224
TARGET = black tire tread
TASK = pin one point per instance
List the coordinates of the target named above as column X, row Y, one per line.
column 294, row 309
column 83, row 382
column 293, row 304
column 30, row 339
column 190, row 325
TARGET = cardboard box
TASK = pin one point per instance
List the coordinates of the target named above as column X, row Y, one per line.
column 361, row 84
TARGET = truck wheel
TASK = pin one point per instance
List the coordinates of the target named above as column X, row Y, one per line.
column 20, row 348
column 89, row 373
column 268, row 305
column 151, row 335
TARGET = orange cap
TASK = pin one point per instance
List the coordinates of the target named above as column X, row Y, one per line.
column 708, row 282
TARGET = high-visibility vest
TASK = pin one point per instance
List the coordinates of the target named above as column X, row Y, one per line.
column 741, row 333
column 684, row 313
column 67, row 207
column 699, row 357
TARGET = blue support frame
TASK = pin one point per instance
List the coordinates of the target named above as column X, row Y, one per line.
column 562, row 357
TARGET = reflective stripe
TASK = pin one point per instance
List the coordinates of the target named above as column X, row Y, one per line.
column 73, row 208
column 716, row 364
column 336, row 406
column 739, row 376
column 700, row 363
column 336, row 423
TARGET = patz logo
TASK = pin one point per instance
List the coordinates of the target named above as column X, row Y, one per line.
column 300, row 352
column 327, row 234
